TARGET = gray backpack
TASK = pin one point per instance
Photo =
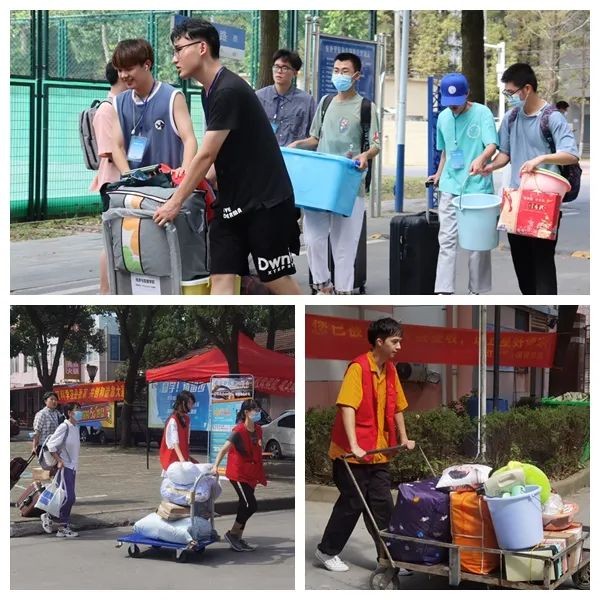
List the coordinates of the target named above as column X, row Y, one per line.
column 87, row 135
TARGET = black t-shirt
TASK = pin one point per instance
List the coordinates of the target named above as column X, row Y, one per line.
column 250, row 168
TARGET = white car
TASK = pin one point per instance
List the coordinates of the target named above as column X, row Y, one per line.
column 279, row 436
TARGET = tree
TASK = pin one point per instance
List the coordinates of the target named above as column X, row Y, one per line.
column 473, row 54
column 136, row 325
column 46, row 333
column 269, row 44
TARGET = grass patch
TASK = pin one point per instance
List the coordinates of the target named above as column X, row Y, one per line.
column 414, row 188
column 38, row 230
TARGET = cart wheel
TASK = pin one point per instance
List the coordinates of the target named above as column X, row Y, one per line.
column 384, row 578
column 181, row 556
column 133, row 550
column 200, row 551
column 581, row 578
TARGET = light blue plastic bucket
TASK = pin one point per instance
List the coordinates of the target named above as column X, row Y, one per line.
column 477, row 217
column 517, row 520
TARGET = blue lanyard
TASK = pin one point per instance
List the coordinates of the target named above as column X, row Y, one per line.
column 144, row 106
column 279, row 100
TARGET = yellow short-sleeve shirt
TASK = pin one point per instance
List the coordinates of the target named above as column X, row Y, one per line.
column 351, row 394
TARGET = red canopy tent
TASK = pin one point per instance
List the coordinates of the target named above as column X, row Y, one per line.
column 273, row 372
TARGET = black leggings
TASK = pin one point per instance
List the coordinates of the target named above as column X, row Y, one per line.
column 247, row 504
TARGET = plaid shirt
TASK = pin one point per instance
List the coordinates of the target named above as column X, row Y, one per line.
column 45, row 423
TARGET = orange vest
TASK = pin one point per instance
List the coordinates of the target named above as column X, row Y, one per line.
column 366, row 413
column 168, row 456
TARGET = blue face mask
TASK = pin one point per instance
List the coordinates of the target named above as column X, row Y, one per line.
column 77, row 415
column 255, row 417
column 515, row 102
column 342, row 83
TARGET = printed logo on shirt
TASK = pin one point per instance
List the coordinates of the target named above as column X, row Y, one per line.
column 275, row 265
column 344, row 123
column 159, row 124
column 474, row 131
column 229, row 213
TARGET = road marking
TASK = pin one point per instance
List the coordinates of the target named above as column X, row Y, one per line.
column 92, row 497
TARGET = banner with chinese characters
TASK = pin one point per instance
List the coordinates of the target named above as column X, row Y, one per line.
column 227, row 393
column 161, row 398
column 344, row 339
column 98, row 415
column 91, row 393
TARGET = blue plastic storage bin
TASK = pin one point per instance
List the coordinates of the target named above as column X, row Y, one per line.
column 472, row 407
column 322, row 181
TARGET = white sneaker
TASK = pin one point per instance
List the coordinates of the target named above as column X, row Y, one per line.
column 46, row 520
column 66, row 532
column 331, row 563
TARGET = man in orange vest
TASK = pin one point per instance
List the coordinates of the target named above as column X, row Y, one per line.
column 370, row 405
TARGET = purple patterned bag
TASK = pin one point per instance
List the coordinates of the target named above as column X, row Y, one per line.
column 423, row 512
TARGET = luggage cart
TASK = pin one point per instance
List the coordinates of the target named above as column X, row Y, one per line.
column 386, row 576
column 182, row 551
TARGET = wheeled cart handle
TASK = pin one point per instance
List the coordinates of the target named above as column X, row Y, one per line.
column 376, row 451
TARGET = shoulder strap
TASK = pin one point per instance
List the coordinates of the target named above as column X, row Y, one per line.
column 545, row 127
column 365, row 124
column 324, row 106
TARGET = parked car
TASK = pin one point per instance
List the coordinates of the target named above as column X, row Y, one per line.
column 279, row 436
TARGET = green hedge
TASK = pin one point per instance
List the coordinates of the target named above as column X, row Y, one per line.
column 550, row 438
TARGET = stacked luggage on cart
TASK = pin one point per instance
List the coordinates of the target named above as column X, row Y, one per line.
column 512, row 513
column 184, row 520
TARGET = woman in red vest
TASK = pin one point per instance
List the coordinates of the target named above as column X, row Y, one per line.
column 244, row 469
column 175, row 443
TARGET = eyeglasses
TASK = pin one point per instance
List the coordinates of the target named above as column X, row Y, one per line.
column 508, row 95
column 281, row 68
column 177, row 49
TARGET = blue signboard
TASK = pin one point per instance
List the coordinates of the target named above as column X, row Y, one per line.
column 226, row 397
column 233, row 39
column 330, row 47
column 161, row 397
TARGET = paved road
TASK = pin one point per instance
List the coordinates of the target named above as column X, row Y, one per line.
column 91, row 562
column 69, row 265
column 360, row 554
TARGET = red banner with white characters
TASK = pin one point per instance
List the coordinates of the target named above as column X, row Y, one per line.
column 335, row 338
column 91, row 393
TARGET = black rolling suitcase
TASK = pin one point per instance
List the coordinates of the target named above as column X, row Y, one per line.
column 360, row 263
column 414, row 249
column 17, row 467
column 28, row 499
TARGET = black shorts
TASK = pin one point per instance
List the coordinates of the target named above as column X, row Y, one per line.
column 267, row 234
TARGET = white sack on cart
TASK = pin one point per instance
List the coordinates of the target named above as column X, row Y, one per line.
column 179, row 532
column 185, row 473
column 181, row 494
column 463, row 477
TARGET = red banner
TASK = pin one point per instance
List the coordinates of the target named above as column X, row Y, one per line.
column 343, row 339
column 91, row 393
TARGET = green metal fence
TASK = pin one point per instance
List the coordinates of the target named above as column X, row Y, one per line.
column 57, row 63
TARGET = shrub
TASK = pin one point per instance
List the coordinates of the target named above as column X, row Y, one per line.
column 551, row 438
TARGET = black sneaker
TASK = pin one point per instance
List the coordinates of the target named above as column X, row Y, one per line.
column 234, row 542
column 246, row 546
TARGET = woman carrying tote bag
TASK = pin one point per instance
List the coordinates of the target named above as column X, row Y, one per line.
column 65, row 449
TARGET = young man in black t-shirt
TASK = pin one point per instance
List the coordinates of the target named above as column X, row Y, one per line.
column 255, row 210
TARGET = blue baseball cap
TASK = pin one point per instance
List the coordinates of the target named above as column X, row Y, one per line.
column 455, row 89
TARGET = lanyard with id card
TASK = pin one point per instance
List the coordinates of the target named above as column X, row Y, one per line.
column 138, row 143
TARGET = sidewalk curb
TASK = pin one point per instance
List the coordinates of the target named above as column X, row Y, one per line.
column 563, row 487
column 122, row 518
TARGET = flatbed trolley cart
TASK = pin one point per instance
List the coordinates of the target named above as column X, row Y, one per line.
column 182, row 551
column 386, row 576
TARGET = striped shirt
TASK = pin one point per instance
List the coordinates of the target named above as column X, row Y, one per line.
column 45, row 423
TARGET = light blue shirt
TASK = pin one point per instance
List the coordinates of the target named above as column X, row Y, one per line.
column 526, row 140
column 470, row 132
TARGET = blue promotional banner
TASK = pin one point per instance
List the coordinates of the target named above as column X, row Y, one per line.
column 161, row 397
column 330, row 47
column 226, row 396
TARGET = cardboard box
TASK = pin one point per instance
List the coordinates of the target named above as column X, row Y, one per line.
column 520, row 568
column 172, row 512
column 530, row 212
column 39, row 474
column 571, row 535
